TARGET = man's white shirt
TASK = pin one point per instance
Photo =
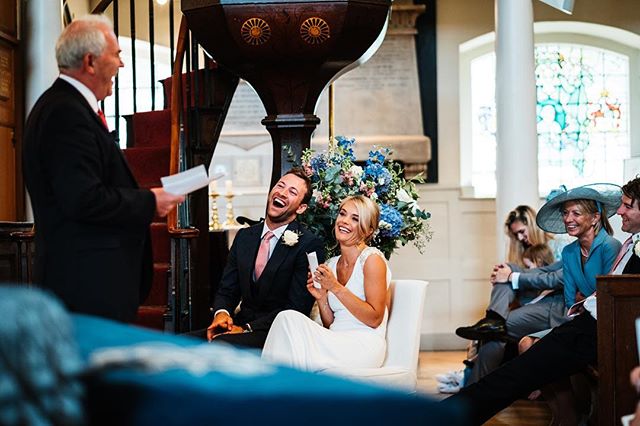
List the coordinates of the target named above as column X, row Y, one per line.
column 84, row 91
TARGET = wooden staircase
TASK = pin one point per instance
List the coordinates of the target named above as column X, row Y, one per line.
column 148, row 158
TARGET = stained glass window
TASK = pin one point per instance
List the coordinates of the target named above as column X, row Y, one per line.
column 582, row 116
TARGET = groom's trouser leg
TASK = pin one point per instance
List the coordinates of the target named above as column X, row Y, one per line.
column 565, row 351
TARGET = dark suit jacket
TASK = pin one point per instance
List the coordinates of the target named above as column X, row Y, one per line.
column 632, row 266
column 92, row 220
column 282, row 285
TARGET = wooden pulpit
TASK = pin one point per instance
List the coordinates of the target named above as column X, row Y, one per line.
column 618, row 308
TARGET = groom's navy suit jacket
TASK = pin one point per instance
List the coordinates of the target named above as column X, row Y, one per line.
column 91, row 219
column 282, row 285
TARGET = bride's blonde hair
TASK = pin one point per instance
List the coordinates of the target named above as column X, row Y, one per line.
column 368, row 215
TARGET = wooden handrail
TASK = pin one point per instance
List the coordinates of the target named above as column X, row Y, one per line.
column 101, row 6
column 176, row 109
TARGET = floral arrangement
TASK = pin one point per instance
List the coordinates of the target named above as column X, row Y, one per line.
column 334, row 176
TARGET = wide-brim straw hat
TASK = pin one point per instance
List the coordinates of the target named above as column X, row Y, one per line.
column 549, row 218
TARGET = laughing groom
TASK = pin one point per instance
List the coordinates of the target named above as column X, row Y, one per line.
column 267, row 268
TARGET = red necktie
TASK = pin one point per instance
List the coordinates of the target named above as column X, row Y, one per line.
column 263, row 254
column 103, row 118
column 621, row 253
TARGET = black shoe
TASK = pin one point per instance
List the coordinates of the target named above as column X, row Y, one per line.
column 492, row 327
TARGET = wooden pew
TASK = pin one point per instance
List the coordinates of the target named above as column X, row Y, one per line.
column 618, row 307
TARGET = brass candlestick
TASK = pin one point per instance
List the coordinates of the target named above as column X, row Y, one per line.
column 214, row 221
column 231, row 220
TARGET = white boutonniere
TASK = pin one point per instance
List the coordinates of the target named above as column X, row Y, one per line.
column 290, row 238
column 636, row 248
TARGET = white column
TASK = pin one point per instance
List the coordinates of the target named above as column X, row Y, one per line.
column 43, row 25
column 517, row 142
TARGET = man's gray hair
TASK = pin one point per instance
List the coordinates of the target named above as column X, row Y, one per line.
column 84, row 35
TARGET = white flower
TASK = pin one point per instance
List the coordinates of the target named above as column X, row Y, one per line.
column 373, row 196
column 404, row 196
column 356, row 171
column 317, row 195
column 290, row 238
column 636, row 248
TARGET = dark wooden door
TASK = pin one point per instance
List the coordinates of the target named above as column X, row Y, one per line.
column 10, row 113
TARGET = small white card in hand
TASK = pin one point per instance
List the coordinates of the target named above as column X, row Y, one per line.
column 313, row 265
column 188, row 181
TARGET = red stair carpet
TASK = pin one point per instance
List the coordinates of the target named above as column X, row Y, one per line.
column 148, row 159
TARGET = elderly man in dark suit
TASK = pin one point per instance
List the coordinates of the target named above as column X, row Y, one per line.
column 91, row 218
column 267, row 268
column 568, row 349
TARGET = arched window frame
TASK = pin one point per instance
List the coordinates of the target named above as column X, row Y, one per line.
column 580, row 33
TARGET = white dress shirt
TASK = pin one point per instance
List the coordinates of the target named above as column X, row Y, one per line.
column 84, row 91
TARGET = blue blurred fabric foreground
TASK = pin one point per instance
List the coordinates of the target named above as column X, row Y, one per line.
column 142, row 377
column 40, row 366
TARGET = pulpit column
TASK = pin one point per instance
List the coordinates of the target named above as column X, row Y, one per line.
column 517, row 142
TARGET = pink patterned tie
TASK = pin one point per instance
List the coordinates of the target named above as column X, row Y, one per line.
column 621, row 253
column 263, row 254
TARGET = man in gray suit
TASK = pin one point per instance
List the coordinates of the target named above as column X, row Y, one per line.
column 502, row 324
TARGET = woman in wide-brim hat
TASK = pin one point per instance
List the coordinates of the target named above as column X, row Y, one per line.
column 583, row 213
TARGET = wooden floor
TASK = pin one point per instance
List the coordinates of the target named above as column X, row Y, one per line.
column 522, row 413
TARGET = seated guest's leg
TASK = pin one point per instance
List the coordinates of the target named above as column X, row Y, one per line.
column 502, row 295
column 535, row 317
column 524, row 320
column 493, row 325
column 566, row 350
column 489, row 358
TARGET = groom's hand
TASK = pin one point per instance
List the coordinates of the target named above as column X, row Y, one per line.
column 222, row 323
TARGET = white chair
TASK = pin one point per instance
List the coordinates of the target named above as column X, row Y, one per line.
column 400, row 367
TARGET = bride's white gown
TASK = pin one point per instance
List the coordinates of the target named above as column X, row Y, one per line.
column 297, row 341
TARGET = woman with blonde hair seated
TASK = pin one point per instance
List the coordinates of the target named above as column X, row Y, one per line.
column 352, row 298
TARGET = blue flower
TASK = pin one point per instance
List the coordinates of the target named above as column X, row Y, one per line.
column 377, row 156
column 391, row 222
column 346, row 145
column 318, row 164
column 379, row 175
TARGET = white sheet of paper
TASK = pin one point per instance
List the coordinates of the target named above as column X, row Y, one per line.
column 313, row 265
column 188, row 181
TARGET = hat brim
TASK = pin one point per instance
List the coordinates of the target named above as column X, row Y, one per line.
column 549, row 217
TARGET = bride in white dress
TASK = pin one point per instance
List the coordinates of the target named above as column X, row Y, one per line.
column 352, row 302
